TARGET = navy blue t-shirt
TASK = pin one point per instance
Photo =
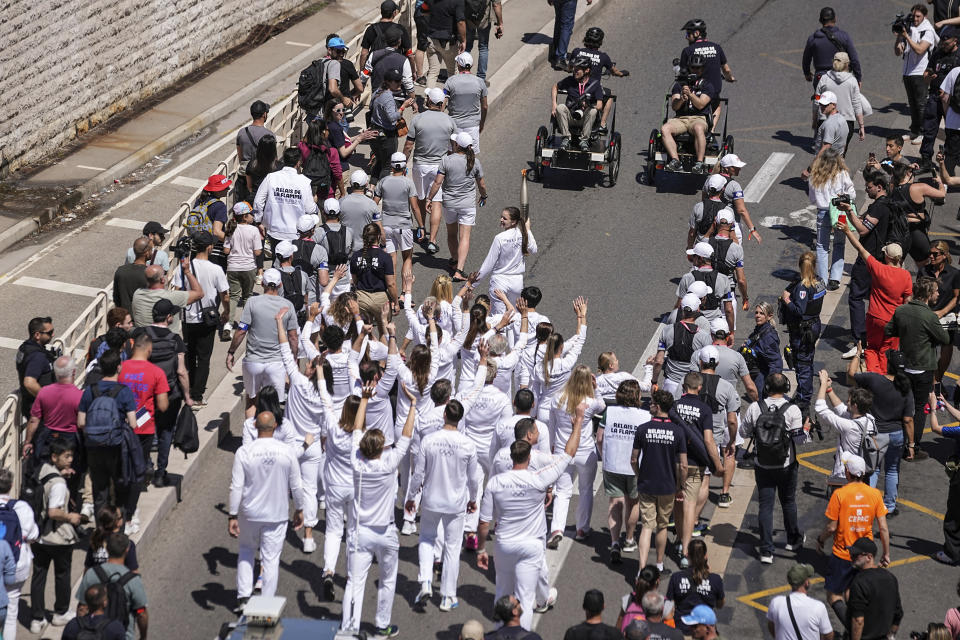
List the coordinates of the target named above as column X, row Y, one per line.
column 600, row 60
column 714, row 59
column 700, row 87
column 112, row 631
column 338, row 139
column 696, row 413
column 686, row 595
column 661, row 441
column 126, row 401
column 576, row 89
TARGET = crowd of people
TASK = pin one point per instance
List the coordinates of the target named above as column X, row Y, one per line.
column 476, row 428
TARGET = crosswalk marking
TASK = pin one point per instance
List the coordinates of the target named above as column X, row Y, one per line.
column 53, row 285
column 124, row 223
column 193, row 183
column 766, row 176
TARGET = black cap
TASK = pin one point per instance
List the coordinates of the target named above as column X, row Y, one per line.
column 949, row 31
column 388, row 8
column 258, row 109
column 163, row 308
column 393, row 75
column 827, row 14
column 862, row 546
column 202, row 239
column 154, row 227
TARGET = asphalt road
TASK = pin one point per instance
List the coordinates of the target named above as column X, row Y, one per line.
column 621, row 247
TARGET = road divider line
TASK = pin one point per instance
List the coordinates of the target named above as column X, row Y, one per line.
column 766, row 176
column 10, row 343
column 125, row 223
column 88, row 167
column 184, row 181
column 297, row 44
column 54, row 285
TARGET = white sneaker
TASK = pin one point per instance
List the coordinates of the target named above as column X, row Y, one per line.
column 136, row 518
column 37, row 626
column 551, row 601
column 60, row 619
column 917, row 140
column 227, row 326
column 409, row 528
column 852, row 351
column 131, row 528
column 425, row 592
column 87, row 509
column 322, row 504
column 448, row 603
column 309, row 545
column 766, row 559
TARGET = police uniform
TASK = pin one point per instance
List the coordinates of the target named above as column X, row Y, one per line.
column 938, row 66
column 802, row 317
column 763, row 347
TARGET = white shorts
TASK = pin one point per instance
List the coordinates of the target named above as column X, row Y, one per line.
column 466, row 216
column 424, row 176
column 257, row 375
column 475, row 135
column 398, row 239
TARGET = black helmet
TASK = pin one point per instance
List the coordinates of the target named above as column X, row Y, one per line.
column 697, row 24
column 593, row 37
column 696, row 60
column 582, row 62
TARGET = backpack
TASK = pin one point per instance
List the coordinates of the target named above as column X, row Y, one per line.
column 710, row 210
column 682, row 348
column 118, row 608
column 164, row 355
column 198, row 219
column 380, row 40
column 104, row 424
column 771, row 436
column 719, row 260
column 90, row 631
column 10, row 528
column 32, row 493
column 708, row 392
column 292, row 283
column 336, row 246
column 317, row 168
column 311, row 89
column 633, row 612
column 474, row 10
column 712, row 301
column 301, row 257
column 869, row 450
column 186, row 437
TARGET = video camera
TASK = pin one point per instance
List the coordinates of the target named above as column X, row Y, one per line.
column 841, row 199
column 683, row 75
column 901, row 24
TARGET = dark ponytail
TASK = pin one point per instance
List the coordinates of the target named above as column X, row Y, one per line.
column 471, row 158
column 517, row 216
column 896, row 365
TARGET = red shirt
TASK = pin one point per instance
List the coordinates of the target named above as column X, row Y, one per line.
column 146, row 380
column 889, row 288
column 56, row 406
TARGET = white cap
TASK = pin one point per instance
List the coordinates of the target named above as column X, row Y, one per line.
column 699, row 288
column 856, row 465
column 285, row 249
column 726, row 215
column 331, row 205
column 305, row 222
column 827, row 97
column 463, row 139
column 464, row 59
column 398, row 158
column 690, row 302
column 733, row 160
column 359, row 178
column 271, row 276
column 715, row 183
column 709, row 353
column 435, row 95
column 719, row 324
column 702, row 249
column 316, row 219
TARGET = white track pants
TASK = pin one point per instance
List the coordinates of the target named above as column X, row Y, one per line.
column 583, row 465
column 521, row 567
column 311, row 470
column 452, row 528
column 268, row 537
column 510, row 285
column 366, row 544
column 339, row 500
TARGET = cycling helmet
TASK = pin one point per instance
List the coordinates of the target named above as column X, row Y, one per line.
column 582, row 62
column 696, row 60
column 593, row 37
column 696, row 24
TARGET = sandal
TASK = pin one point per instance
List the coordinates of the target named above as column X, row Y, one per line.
column 432, row 248
column 459, row 276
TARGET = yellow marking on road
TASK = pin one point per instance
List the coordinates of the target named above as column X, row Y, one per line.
column 817, row 452
column 952, row 234
column 782, row 61
column 920, row 508
column 810, row 465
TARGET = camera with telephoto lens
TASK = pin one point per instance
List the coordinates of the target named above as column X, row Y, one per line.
column 183, row 248
column 683, row 76
column 841, row 199
column 901, row 24
column 580, row 110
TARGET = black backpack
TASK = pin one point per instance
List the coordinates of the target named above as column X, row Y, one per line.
column 719, row 260
column 311, row 89
column 380, row 40
column 771, row 435
column 710, row 210
column 301, row 257
column 898, row 227
column 32, row 493
column 164, row 355
column 118, row 608
column 682, row 348
column 336, row 245
column 712, row 301
column 186, row 436
column 708, row 392
column 91, row 631
column 292, row 283
column 474, row 10
column 317, row 168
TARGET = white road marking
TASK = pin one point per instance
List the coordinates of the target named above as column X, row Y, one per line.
column 10, row 343
column 53, row 285
column 801, row 217
column 86, row 166
column 297, row 44
column 184, row 181
column 124, row 223
column 766, row 176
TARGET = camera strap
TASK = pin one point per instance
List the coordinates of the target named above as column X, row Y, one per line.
column 833, row 40
column 793, row 619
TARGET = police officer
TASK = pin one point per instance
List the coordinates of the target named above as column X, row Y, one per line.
column 823, row 43
column 945, row 57
column 800, row 308
column 35, row 362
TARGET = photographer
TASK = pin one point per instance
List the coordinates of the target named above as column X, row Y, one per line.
column 583, row 102
column 944, row 57
column 915, row 37
column 950, row 554
column 690, row 98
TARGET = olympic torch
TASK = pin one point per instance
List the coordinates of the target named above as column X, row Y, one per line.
column 524, row 198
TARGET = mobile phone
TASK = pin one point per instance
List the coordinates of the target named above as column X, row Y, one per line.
column 842, row 219
column 941, row 148
column 873, row 156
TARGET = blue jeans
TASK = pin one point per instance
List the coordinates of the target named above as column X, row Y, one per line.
column 891, row 448
column 772, row 483
column 482, row 37
column 824, row 265
column 566, row 11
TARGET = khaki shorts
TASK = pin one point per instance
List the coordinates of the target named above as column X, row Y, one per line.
column 685, row 124
column 691, row 486
column 620, row 485
column 655, row 511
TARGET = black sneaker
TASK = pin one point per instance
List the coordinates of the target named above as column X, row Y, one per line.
column 584, row 144
column 422, row 81
column 725, row 500
column 699, row 167
column 833, row 285
column 160, row 479
column 673, row 165
column 602, row 130
column 328, row 587
column 564, row 143
column 241, row 603
column 389, row 631
column 615, row 556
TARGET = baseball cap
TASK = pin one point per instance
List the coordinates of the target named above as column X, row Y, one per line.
column 305, row 222
column 393, row 75
column 463, row 139
column 701, row 249
column 471, row 630
column 733, row 160
column 701, row 614
column 854, row 464
column 331, row 205
column 154, row 227
column 464, row 59
column 690, row 302
column 398, row 158
column 285, row 249
column 726, row 215
column 258, row 108
column 337, row 43
column 949, row 31
column 163, row 308
column 863, row 546
column 202, row 239
column 710, row 352
column 799, row 573
column 271, row 276
column 715, row 183
column 827, row 14
column 435, row 95
column 893, row 250
column 827, row 97
column 699, row 288
column 388, row 6
column 216, row 183
column 841, row 56
column 242, row 209
column 719, row 324
column 359, row 178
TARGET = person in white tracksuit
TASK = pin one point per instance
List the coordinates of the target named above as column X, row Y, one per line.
column 506, row 261
column 554, row 361
column 368, row 371
column 522, row 407
column 371, row 533
column 524, row 429
column 264, row 473
column 515, row 501
column 580, row 388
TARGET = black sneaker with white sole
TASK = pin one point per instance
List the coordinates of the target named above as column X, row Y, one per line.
column 725, row 500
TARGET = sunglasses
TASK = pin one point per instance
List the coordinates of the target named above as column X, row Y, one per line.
column 338, row 110
column 46, row 333
column 934, row 254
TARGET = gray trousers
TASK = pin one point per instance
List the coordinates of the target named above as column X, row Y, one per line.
column 564, row 117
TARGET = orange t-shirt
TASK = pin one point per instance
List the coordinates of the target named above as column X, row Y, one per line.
column 854, row 506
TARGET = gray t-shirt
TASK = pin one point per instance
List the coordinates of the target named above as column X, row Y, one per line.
column 160, row 257
column 395, row 193
column 721, row 290
column 247, row 140
column 734, row 258
column 676, row 369
column 727, row 400
column 263, row 343
column 832, row 131
column 464, row 93
column 430, row 132
column 459, row 189
column 702, row 322
column 357, row 211
column 731, row 366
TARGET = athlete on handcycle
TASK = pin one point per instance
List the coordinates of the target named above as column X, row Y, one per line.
column 582, row 103
column 690, row 99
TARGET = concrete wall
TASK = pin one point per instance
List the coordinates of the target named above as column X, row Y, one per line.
column 67, row 65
